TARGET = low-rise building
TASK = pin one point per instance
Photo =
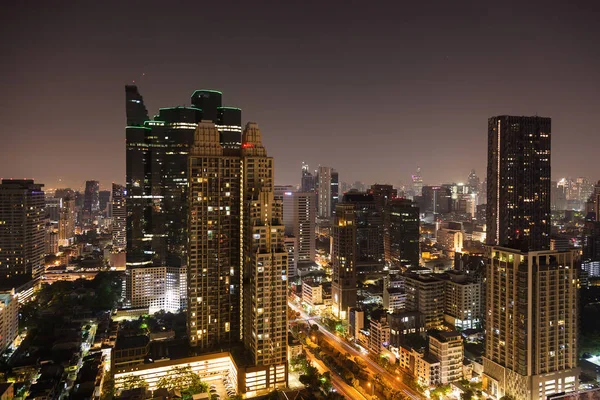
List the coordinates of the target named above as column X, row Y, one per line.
column 312, row 293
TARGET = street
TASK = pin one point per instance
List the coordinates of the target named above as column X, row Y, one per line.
column 342, row 387
column 375, row 369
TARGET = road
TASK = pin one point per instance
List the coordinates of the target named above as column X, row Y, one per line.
column 372, row 366
column 342, row 387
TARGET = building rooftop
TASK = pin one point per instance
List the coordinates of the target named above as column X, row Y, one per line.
column 130, row 342
column 444, row 336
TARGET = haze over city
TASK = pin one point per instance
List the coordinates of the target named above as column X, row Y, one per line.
column 373, row 91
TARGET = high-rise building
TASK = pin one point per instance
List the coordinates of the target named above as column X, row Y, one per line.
column 22, row 229
column 417, row 183
column 237, row 255
column 518, row 182
column 299, row 213
column 343, row 257
column 307, row 183
column 91, row 200
column 324, row 192
column 403, row 233
column 531, row 323
column 335, row 190
column 265, row 263
column 447, row 347
column 437, row 199
column 104, row 201
column 215, row 240
column 119, row 218
column 134, row 106
column 369, row 231
column 66, row 227
column 474, row 182
column 157, row 174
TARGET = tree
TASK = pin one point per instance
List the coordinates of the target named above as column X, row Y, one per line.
column 184, row 379
column 133, row 382
column 467, row 395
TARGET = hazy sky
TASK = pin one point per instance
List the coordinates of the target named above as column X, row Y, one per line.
column 372, row 89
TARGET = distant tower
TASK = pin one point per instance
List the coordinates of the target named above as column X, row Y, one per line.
column 417, row 182
column 324, row 192
column 91, row 200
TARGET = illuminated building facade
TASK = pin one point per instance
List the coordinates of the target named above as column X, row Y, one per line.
column 425, row 293
column 9, row 319
column 236, row 235
column 156, row 288
column 66, row 222
column 22, row 228
column 214, row 247
column 518, row 182
column 119, row 218
column 300, row 210
column 531, row 323
column 343, row 257
column 369, row 231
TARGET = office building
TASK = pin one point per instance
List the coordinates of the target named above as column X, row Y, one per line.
column 403, row 233
column 343, row 257
column 404, row 323
column 22, row 229
column 518, row 182
column 312, row 293
column 369, row 231
column 9, row 319
column 356, row 321
column 324, row 192
column 156, row 288
column 450, row 239
column 91, row 199
column 447, row 347
column 291, row 246
column 119, row 218
column 299, row 215
column 425, row 294
column 437, row 199
column 531, row 323
column 157, row 172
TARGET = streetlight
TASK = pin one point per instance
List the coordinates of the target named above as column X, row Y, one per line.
column 372, row 387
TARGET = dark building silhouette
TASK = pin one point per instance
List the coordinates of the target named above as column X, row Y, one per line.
column 308, row 183
column 229, row 124
column 335, row 190
column 403, row 233
column 209, row 101
column 518, row 182
column 369, row 230
column 436, row 199
column 134, row 106
column 91, row 199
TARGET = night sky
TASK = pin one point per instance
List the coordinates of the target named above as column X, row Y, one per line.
column 372, row 89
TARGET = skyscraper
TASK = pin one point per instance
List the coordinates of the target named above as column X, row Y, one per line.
column 157, row 173
column 324, row 192
column 91, row 200
column 307, row 183
column 343, row 257
column 518, row 182
column 403, row 233
column 66, row 227
column 368, row 221
column 265, row 263
column 119, row 218
column 214, row 246
column 300, row 211
column 134, row 107
column 22, row 229
column 237, row 257
column 417, row 182
column 335, row 190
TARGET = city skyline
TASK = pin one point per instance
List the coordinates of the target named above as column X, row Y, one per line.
column 423, row 112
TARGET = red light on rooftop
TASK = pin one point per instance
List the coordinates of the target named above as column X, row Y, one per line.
column 247, row 145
